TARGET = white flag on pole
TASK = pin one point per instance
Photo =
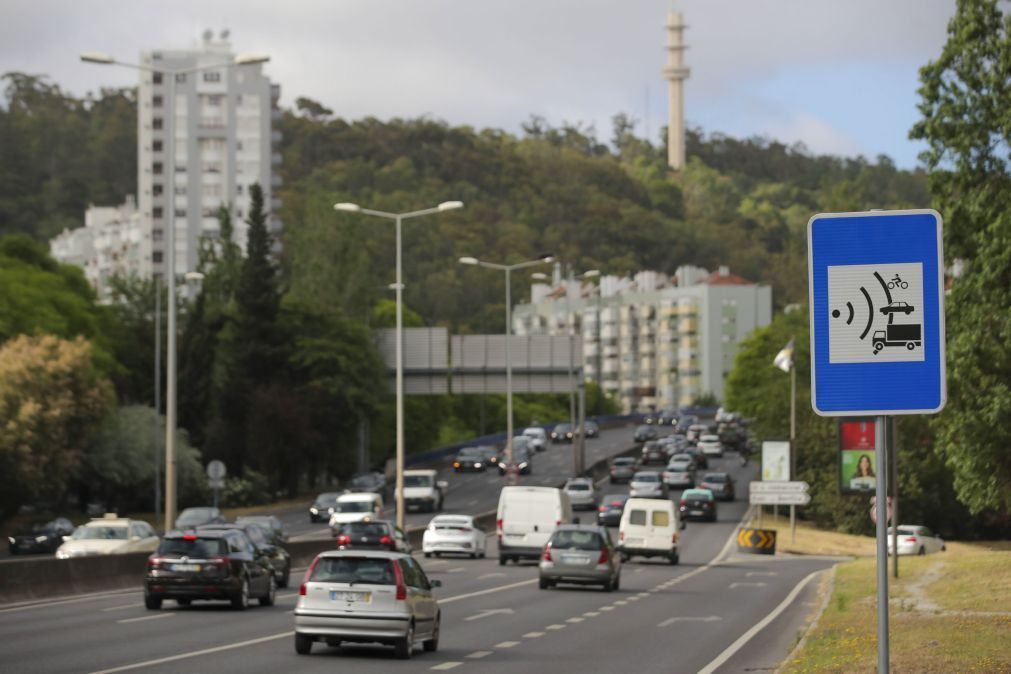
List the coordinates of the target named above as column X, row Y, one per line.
column 784, row 359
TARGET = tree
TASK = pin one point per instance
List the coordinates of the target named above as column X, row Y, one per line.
column 52, row 399
column 965, row 98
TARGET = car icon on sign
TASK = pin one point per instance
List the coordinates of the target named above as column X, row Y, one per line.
column 897, row 308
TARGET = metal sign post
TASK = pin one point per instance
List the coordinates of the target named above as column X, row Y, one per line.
column 216, row 478
column 882, row 547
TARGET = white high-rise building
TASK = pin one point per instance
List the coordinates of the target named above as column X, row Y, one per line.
column 225, row 142
column 652, row 341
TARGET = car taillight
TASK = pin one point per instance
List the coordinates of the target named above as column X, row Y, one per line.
column 558, row 523
column 387, row 541
column 308, row 574
column 343, row 539
column 547, row 553
column 301, row 590
column 621, row 536
column 602, row 508
column 398, row 573
column 498, row 528
column 605, row 556
column 911, row 539
column 684, row 503
column 154, row 562
column 674, row 538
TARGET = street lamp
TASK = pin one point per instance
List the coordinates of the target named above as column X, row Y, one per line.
column 347, row 207
column 508, row 269
column 171, row 401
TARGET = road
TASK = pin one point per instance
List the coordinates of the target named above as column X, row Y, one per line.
column 494, row 619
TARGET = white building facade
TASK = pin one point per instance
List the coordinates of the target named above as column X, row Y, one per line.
column 652, row 341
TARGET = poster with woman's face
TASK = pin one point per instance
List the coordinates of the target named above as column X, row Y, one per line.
column 858, row 462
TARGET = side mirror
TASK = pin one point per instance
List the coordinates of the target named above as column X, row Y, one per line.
column 435, row 583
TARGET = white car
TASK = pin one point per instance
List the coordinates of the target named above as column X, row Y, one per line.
column 581, row 493
column 455, row 534
column 109, row 535
column 538, row 438
column 711, row 445
column 366, row 596
column 355, row 507
column 916, row 540
column 647, row 484
column 680, row 472
column 423, row 490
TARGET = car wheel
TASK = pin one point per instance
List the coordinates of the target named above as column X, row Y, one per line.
column 473, row 555
column 333, row 643
column 268, row 599
column 303, row 643
column 432, row 645
column 428, row 555
column 501, row 561
column 921, row 552
column 152, row 603
column 674, row 559
column 286, row 578
column 184, row 602
column 609, row 585
column 402, row 649
column 240, row 601
column 617, row 581
column 543, row 583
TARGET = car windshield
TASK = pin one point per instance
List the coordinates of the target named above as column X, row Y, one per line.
column 471, row 453
column 353, row 570
column 330, row 498
column 577, row 540
column 715, row 477
column 451, row 523
column 365, row 529
column 615, row 500
column 193, row 515
column 697, row 494
column 37, row 528
column 709, row 438
column 577, row 486
column 533, row 432
column 646, row 477
column 417, row 480
column 679, row 465
column 624, row 462
column 201, row 548
column 681, row 457
column 353, row 507
column 563, row 428
column 101, row 533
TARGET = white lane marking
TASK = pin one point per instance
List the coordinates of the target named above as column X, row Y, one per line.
column 120, row 608
column 489, row 612
column 507, row 644
column 671, row 621
column 575, row 620
column 438, row 562
column 496, row 574
column 606, row 608
column 749, row 574
column 637, row 571
column 24, row 606
column 456, row 569
column 479, row 654
column 620, row 602
column 758, row 627
column 446, row 665
column 733, row 585
column 471, row 503
column 643, row 594
column 147, row 617
column 633, row 599
column 491, row 590
column 591, row 614
column 556, row 627
column 533, row 635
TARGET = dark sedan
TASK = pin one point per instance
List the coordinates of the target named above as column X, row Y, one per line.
column 644, row 433
column 698, row 504
column 623, row 468
column 562, row 433
column 375, row 535
column 721, row 484
column 269, row 523
column 279, row 558
column 197, row 517
column 591, row 429
column 653, row 452
column 610, row 509
column 472, row 459
column 323, row 506
column 522, row 459
column 40, row 537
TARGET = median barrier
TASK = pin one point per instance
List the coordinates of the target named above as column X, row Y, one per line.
column 24, row 580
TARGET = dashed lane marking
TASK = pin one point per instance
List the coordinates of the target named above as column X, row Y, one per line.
column 147, row 617
column 621, row 602
column 120, row 608
column 591, row 614
column 643, row 594
column 477, row 655
column 575, row 620
column 606, row 608
column 733, row 585
column 749, row 574
column 533, row 635
column 447, row 665
column 556, row 627
column 507, row 644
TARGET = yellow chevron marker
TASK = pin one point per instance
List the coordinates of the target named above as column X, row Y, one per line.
column 756, row 541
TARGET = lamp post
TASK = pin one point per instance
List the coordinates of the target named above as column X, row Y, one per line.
column 399, row 287
column 508, row 269
column 170, row 350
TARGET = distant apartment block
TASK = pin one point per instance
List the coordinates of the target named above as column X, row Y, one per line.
column 652, row 341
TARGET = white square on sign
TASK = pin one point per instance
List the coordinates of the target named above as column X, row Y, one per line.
column 875, row 313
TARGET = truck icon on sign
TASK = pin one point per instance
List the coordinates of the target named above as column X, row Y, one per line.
column 908, row 336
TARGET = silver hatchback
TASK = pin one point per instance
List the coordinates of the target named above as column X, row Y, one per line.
column 581, row 493
column 367, row 596
column 580, row 554
column 647, row 484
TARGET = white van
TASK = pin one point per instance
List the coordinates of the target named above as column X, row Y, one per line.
column 649, row 528
column 527, row 516
column 355, row 507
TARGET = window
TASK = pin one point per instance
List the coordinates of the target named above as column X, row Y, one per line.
column 156, row 101
column 212, row 76
column 238, row 189
column 354, row 570
column 156, row 78
column 156, row 212
column 180, row 212
column 660, row 518
column 156, row 189
column 156, row 234
column 156, row 168
column 637, row 518
column 156, row 257
column 156, row 123
column 413, row 575
column 157, row 146
column 180, row 77
column 235, row 544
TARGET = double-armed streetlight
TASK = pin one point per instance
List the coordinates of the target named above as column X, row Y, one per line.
column 170, row 75
column 399, row 287
column 508, row 269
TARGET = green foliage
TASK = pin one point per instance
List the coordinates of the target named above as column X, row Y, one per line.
column 965, row 97
column 249, row 489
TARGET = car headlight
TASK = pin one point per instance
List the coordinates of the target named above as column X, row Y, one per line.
column 314, row 510
column 523, row 465
column 11, row 539
column 478, row 464
column 62, row 554
column 330, row 510
column 41, row 539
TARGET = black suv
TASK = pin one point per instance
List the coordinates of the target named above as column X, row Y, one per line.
column 40, row 537
column 375, row 535
column 279, row 558
column 208, row 564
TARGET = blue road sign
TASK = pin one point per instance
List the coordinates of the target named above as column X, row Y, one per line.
column 876, row 284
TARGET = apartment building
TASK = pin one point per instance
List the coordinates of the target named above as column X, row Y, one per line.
column 649, row 340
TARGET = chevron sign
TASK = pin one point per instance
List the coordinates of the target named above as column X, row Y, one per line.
column 756, row 541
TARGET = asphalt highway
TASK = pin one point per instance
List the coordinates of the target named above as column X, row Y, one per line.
column 716, row 611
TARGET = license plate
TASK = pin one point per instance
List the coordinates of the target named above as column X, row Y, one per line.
column 363, row 597
column 633, row 541
column 575, row 559
column 696, row 512
column 185, row 567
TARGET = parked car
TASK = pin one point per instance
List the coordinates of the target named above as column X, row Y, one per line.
column 697, row 504
column 538, row 438
column 191, row 518
column 372, row 535
column 581, row 493
column 653, row 452
column 591, row 429
column 367, row 596
column 454, row 534
column 711, row 446
column 582, row 554
column 622, row 469
column 41, row 536
column 680, row 472
column 471, row 459
column 610, row 509
column 269, row 523
column 355, row 507
column 644, row 433
column 721, row 484
column 109, row 535
column 523, row 460
column 649, row 528
column 562, row 433
column 279, row 558
column 323, row 506
column 423, row 489
column 916, row 540
column 647, row 484
column 220, row 564
column 526, row 518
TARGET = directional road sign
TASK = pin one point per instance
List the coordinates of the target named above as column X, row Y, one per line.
column 756, row 541
column 797, row 498
column 778, row 487
column 876, row 284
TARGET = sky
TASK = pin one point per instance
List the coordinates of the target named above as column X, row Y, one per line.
column 838, row 75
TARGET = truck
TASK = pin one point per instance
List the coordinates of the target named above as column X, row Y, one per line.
column 897, row 335
column 423, row 490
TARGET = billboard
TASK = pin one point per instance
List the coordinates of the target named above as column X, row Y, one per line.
column 858, row 460
column 775, row 461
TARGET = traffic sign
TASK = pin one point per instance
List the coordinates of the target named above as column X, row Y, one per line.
column 216, row 484
column 756, row 541
column 216, row 470
column 796, row 498
column 876, row 283
column 779, row 487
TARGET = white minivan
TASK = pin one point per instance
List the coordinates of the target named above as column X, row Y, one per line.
column 649, row 528
column 355, row 507
column 527, row 516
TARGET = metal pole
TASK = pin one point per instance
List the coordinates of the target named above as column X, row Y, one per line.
column 170, row 389
column 576, row 466
column 157, row 398
column 581, row 436
column 793, row 448
column 893, row 476
column 509, row 379
column 400, row 385
column 881, row 491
